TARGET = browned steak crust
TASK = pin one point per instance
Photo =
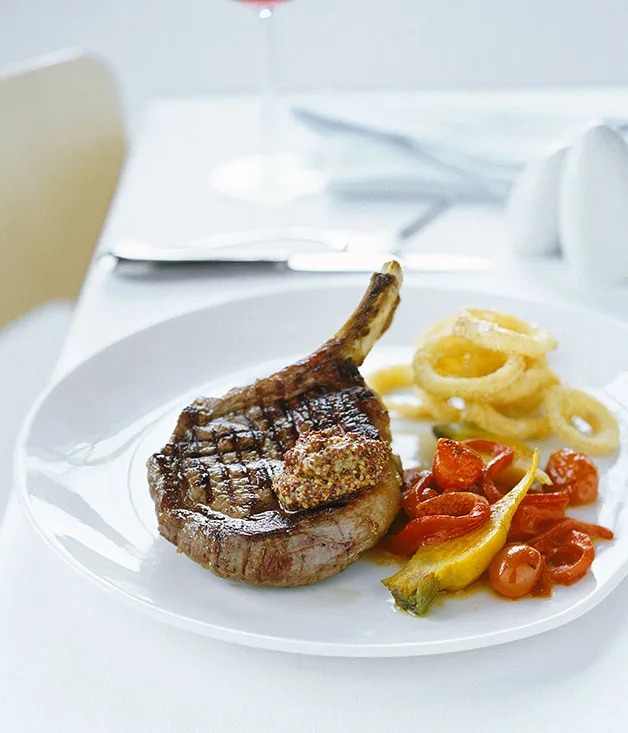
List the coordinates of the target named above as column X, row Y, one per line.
column 212, row 483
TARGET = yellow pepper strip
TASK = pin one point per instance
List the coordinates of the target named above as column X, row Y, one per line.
column 454, row 564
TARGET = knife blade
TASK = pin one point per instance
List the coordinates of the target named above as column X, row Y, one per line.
column 424, row 262
column 248, row 247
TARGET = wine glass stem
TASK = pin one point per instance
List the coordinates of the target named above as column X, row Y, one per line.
column 268, row 99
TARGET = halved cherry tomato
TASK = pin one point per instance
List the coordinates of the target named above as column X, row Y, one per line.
column 516, row 570
column 456, row 467
column 529, row 521
column 442, row 518
column 568, row 548
column 491, row 492
column 421, row 487
column 536, row 513
column 554, row 536
column 543, row 587
column 502, row 455
column 575, row 473
column 568, row 563
column 595, row 531
column 553, row 499
column 411, row 476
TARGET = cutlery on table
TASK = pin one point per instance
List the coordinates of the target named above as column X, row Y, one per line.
column 226, row 248
column 488, row 177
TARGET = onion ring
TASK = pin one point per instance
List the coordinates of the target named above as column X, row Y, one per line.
column 439, row 408
column 408, row 410
column 485, row 387
column 427, row 408
column 536, row 377
column 389, row 378
column 491, row 419
column 469, row 360
column 398, row 376
column 564, row 403
column 530, row 404
column 502, row 332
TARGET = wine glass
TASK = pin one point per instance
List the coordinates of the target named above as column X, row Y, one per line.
column 271, row 177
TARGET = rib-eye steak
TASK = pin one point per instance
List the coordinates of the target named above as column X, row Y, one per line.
column 288, row 480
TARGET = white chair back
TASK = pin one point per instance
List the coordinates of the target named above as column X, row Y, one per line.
column 61, row 149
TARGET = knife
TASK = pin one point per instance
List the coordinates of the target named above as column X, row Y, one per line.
column 232, row 246
column 426, row 262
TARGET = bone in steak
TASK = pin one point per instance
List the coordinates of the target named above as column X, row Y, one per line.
column 212, row 484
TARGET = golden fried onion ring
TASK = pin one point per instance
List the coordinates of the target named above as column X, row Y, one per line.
column 503, row 332
column 524, row 406
column 473, row 388
column 468, row 360
column 489, row 418
column 428, row 408
column 536, row 378
column 398, row 376
column 496, row 365
column 389, row 378
column 439, row 409
column 564, row 403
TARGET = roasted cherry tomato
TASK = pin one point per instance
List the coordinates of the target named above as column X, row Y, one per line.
column 491, row 492
column 575, row 473
column 568, row 549
column 442, row 518
column 419, row 487
column 543, row 587
column 501, row 455
column 516, row 570
column 569, row 562
column 536, row 513
column 456, row 466
column 411, row 476
column 554, row 536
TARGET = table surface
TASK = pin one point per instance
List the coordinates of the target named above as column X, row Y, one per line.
column 72, row 657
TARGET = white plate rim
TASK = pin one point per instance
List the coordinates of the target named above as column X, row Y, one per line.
column 277, row 643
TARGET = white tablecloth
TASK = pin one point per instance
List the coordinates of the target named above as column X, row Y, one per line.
column 73, row 659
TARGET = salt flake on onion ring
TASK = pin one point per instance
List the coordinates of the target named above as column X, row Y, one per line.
column 503, row 332
column 564, row 403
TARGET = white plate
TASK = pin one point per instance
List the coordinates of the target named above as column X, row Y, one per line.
column 80, row 466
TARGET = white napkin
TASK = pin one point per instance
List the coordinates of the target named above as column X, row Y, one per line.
column 437, row 144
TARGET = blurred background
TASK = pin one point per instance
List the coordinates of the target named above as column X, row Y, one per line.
column 173, row 47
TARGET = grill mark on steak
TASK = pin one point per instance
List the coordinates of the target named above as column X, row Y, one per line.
column 207, row 482
column 258, row 435
column 293, row 433
column 212, row 483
